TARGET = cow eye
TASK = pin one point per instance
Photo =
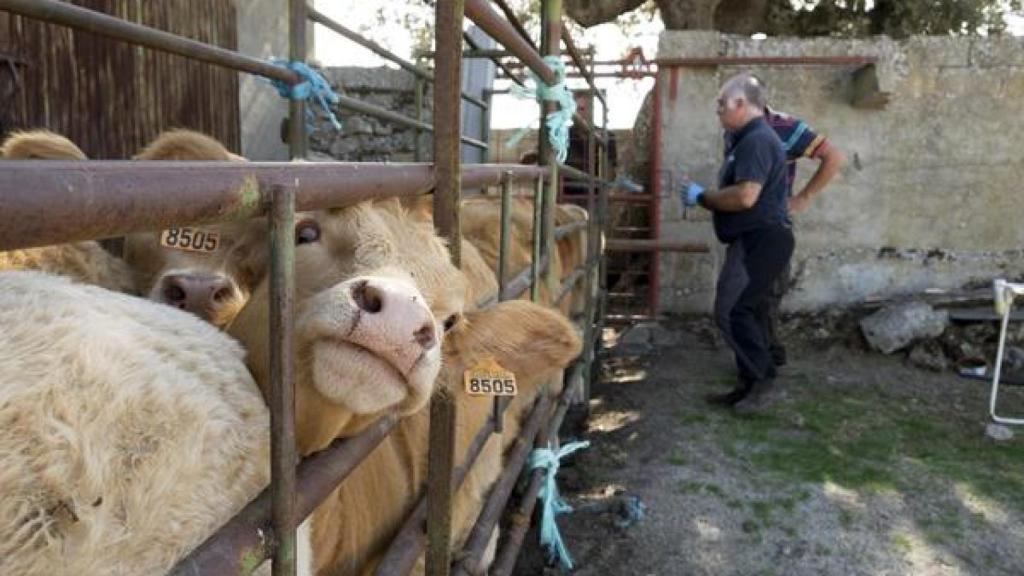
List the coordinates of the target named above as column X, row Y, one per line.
column 307, row 232
column 450, row 322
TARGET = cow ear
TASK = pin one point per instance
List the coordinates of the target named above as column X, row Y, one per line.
column 521, row 336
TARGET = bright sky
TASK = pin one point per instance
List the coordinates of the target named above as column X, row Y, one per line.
column 624, row 96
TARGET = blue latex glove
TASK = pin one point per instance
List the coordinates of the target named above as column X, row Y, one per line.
column 691, row 192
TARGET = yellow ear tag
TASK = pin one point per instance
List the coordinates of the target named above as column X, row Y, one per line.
column 190, row 239
column 488, row 378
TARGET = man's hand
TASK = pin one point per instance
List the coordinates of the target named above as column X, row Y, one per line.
column 691, row 193
column 799, row 204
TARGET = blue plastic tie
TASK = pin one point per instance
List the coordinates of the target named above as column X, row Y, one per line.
column 314, row 85
column 553, row 504
column 557, row 122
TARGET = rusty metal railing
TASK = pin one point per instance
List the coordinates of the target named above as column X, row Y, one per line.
column 64, row 202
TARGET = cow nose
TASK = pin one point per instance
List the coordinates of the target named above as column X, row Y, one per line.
column 394, row 321
column 200, row 294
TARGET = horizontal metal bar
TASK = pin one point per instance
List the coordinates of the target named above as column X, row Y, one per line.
column 244, row 542
column 502, row 66
column 642, row 245
column 766, row 61
column 567, row 229
column 497, row 27
column 356, row 105
column 580, row 62
column 490, row 514
column 407, row 547
column 632, row 318
column 52, row 202
column 521, row 283
column 576, row 173
column 625, row 197
column 570, row 283
column 67, row 14
column 334, row 26
column 506, row 558
column 510, row 15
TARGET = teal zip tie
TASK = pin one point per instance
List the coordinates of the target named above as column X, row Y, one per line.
column 557, row 122
column 313, row 86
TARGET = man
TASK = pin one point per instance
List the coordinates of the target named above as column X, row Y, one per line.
column 750, row 214
column 798, row 141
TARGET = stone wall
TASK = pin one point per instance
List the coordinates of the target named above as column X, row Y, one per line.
column 930, row 197
column 364, row 138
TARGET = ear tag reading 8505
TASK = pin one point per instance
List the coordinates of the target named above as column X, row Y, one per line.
column 488, row 378
column 190, row 239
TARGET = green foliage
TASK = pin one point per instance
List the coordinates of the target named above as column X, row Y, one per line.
column 895, row 18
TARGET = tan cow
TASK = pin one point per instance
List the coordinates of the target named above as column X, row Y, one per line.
column 212, row 280
column 82, row 261
column 342, row 386
column 130, row 430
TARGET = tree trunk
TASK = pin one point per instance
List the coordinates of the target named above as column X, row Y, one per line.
column 593, row 12
column 688, row 14
column 742, row 16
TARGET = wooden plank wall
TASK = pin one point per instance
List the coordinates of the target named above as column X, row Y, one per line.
column 110, row 97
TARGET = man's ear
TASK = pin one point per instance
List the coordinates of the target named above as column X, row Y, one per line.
column 521, row 336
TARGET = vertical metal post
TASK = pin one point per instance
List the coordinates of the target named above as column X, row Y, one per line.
column 538, row 207
column 503, row 249
column 297, row 145
column 590, row 260
column 654, row 212
column 602, row 225
column 551, row 36
column 488, row 97
column 506, row 232
column 447, row 122
column 282, row 393
column 418, row 144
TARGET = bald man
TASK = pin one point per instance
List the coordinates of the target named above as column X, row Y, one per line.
column 749, row 211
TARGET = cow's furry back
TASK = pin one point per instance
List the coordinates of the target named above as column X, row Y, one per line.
column 131, row 431
column 85, row 262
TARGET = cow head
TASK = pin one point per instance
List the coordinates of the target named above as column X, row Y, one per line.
column 374, row 294
column 208, row 270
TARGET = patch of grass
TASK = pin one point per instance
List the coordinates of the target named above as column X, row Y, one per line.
column 943, row 528
column 902, row 543
column 750, row 527
column 846, row 518
column 734, row 503
column 762, row 511
column 872, row 440
column 714, row 490
column 691, row 418
column 690, row 487
column 677, row 458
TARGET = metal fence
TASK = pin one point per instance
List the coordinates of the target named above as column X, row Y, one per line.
column 70, row 201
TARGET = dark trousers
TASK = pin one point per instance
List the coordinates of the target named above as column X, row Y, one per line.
column 754, row 263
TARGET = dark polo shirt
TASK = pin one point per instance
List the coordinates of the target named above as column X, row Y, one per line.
column 753, row 153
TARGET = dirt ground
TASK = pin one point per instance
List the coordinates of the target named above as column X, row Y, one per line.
column 868, row 466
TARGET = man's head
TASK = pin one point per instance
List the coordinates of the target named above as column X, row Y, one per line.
column 741, row 99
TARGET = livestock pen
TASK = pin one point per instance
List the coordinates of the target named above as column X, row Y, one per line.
column 65, row 202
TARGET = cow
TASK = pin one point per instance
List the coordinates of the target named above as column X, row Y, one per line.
column 130, row 430
column 342, row 387
column 82, row 261
column 117, row 395
column 211, row 278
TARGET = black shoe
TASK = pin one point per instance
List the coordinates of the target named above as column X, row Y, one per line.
column 729, row 398
column 762, row 395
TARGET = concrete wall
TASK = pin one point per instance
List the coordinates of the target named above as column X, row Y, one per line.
column 931, row 196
